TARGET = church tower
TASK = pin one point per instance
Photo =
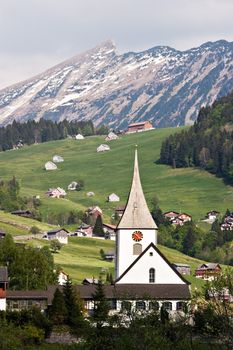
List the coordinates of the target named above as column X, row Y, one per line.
column 137, row 229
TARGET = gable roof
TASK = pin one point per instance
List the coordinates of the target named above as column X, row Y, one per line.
column 151, row 245
column 136, row 214
column 53, row 232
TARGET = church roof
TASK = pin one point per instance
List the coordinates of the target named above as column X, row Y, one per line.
column 136, row 214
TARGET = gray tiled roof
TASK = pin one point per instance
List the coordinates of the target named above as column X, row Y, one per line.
column 3, row 274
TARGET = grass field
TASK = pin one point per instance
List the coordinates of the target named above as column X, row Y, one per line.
column 81, row 258
column 189, row 190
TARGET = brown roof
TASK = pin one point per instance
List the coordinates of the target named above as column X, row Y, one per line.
column 136, row 214
column 138, row 124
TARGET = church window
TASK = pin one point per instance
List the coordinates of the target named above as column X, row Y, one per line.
column 151, row 253
column 167, row 305
column 153, row 305
column 137, row 249
column 140, row 305
column 152, row 275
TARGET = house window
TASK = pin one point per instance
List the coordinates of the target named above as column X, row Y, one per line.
column 137, row 249
column 152, row 275
column 153, row 305
column 140, row 305
column 126, row 306
column 180, row 305
column 167, row 305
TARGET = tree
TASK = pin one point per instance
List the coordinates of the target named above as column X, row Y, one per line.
column 55, row 245
column 101, row 305
column 74, row 306
column 98, row 228
column 58, row 311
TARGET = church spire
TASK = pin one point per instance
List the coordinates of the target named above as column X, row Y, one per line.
column 136, row 214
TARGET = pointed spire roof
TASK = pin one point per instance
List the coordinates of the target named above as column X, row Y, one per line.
column 136, row 214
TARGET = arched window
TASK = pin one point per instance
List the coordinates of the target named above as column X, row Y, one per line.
column 140, row 305
column 153, row 305
column 137, row 249
column 152, row 275
column 167, row 305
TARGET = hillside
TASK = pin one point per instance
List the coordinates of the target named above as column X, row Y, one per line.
column 190, row 190
column 161, row 84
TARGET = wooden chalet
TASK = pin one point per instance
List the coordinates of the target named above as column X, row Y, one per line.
column 208, row 271
column 23, row 213
column 140, row 126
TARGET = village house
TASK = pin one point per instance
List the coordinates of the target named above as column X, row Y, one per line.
column 57, row 159
column 184, row 269
column 177, row 218
column 109, row 256
column 94, row 211
column 170, row 215
column 72, row 186
column 111, row 136
column 103, row 148
column 212, row 215
column 110, row 231
column 227, row 224
column 61, row 234
column 62, row 278
column 83, row 230
column 56, row 192
column 50, row 166
column 2, row 234
column 140, row 126
column 90, row 281
column 113, row 198
column 23, row 213
column 208, row 271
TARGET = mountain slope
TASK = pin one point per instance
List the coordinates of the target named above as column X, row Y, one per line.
column 161, row 84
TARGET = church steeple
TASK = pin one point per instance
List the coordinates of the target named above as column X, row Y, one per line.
column 136, row 214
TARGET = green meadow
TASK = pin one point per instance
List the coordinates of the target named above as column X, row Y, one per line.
column 188, row 190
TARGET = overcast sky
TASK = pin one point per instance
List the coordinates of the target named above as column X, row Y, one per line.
column 37, row 34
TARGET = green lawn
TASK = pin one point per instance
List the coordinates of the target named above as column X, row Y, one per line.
column 189, row 190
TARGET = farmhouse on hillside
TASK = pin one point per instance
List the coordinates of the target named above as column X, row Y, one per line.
column 56, row 192
column 61, row 234
column 208, row 271
column 103, row 148
column 184, row 269
column 212, row 215
column 50, row 166
column 72, row 186
column 111, row 136
column 23, row 213
column 140, row 126
column 113, row 198
column 58, row 159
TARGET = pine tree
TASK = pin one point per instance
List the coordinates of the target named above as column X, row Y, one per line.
column 101, row 305
column 58, row 310
column 98, row 228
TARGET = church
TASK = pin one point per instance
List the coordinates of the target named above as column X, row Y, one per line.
column 144, row 278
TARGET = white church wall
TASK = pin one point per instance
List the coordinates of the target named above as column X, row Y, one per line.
column 139, row 273
column 125, row 243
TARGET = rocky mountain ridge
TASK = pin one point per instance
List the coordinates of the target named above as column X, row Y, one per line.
column 161, row 84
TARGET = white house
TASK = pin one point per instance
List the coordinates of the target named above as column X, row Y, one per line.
column 113, row 198
column 58, row 159
column 72, row 186
column 111, row 136
column 50, row 166
column 103, row 148
column 79, row 137
column 3, row 287
column 62, row 277
column 56, row 192
column 60, row 234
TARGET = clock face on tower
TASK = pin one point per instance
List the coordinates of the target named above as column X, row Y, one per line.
column 137, row 236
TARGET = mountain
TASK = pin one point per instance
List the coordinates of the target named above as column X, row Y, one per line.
column 161, row 84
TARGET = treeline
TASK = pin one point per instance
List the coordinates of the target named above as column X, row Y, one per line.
column 28, row 267
column 17, row 134
column 207, row 144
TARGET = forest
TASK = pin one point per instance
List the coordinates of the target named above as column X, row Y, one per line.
column 208, row 144
column 16, row 134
